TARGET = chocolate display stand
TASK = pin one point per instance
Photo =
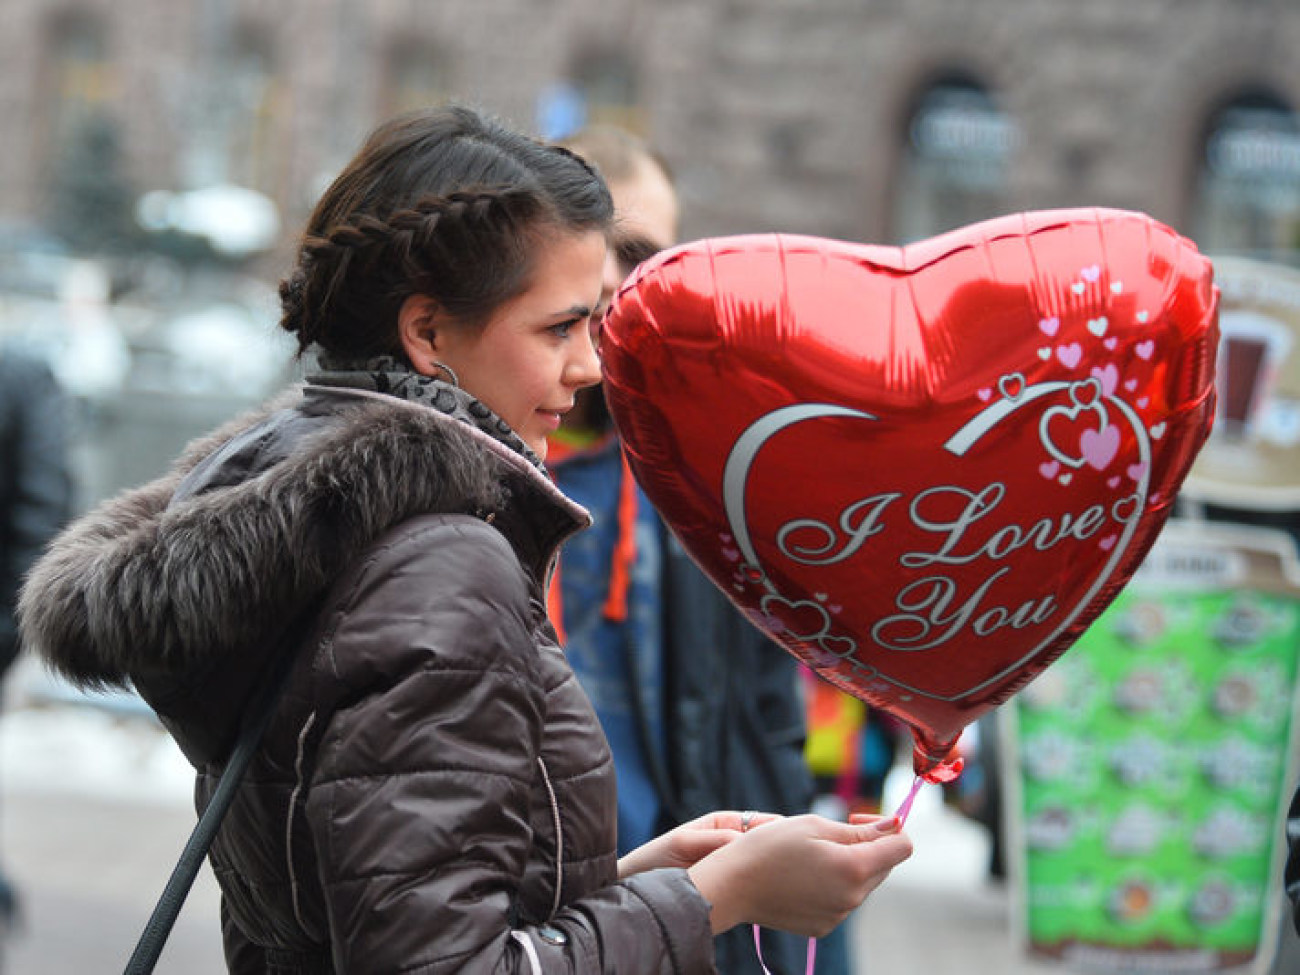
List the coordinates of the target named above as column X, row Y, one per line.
column 1148, row 771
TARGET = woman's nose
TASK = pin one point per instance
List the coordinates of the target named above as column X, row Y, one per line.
column 584, row 367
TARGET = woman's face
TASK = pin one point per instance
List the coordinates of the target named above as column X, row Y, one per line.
column 530, row 359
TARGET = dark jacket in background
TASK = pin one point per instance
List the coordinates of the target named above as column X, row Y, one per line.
column 722, row 722
column 736, row 723
column 35, row 486
column 736, row 731
column 434, row 793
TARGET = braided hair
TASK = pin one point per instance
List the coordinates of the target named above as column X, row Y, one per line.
column 446, row 203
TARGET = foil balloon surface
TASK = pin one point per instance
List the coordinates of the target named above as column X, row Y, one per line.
column 922, row 470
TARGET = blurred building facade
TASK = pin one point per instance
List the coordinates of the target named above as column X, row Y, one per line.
column 871, row 120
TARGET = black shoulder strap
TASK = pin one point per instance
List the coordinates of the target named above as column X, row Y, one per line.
column 256, row 718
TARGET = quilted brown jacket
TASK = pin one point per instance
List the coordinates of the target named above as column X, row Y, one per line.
column 434, row 793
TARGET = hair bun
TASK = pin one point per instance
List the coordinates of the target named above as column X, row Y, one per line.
column 292, row 289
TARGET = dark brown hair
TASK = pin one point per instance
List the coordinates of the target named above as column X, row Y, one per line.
column 447, row 203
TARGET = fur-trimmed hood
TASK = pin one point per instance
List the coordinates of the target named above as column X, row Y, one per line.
column 256, row 521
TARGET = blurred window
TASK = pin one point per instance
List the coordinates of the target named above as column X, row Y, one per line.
column 607, row 79
column 957, row 152
column 80, row 77
column 416, row 78
column 1248, row 190
column 254, row 89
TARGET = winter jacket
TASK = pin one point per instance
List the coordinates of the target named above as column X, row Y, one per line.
column 35, row 487
column 434, row 793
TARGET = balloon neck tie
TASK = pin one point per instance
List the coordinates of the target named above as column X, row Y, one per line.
column 946, row 771
column 758, row 947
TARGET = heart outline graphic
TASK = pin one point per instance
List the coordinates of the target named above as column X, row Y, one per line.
column 747, row 446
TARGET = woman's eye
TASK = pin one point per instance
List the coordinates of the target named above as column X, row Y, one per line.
column 564, row 328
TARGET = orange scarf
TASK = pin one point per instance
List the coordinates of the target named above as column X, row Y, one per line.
column 620, row 570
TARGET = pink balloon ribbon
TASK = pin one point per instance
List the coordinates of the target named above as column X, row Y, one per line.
column 906, row 807
column 758, row 947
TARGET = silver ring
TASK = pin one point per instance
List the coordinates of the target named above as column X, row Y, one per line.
column 746, row 818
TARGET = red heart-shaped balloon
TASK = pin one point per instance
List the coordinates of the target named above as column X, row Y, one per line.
column 923, row 470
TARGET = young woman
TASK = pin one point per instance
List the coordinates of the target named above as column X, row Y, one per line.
column 434, row 793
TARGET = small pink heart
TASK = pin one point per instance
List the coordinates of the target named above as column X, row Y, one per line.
column 1144, row 349
column 730, row 554
column 1048, row 326
column 1099, row 447
column 1108, row 377
column 984, row 394
column 1108, row 542
column 1091, row 273
column 1112, row 482
column 1049, row 468
column 1158, row 431
column 1130, row 384
column 1137, row 471
column 1069, row 354
column 1142, row 403
column 1110, row 343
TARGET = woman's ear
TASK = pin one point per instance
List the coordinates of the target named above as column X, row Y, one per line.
column 417, row 329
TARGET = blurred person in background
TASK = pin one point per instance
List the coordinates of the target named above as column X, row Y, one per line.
column 1293, row 858
column 701, row 710
column 35, row 500
column 851, row 748
column 434, row 791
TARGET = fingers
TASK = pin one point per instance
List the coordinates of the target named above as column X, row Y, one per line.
column 860, row 829
column 876, row 846
column 892, row 850
column 865, row 818
column 741, row 821
column 879, row 825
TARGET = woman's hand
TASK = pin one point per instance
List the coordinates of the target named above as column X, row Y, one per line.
column 687, row 844
column 804, row 874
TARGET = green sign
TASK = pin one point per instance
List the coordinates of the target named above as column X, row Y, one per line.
column 1149, row 768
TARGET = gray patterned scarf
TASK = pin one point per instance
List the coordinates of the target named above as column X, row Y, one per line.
column 389, row 375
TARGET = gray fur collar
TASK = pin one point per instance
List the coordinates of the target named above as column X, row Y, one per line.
column 257, row 520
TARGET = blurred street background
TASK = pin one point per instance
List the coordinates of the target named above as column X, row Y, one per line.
column 161, row 154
